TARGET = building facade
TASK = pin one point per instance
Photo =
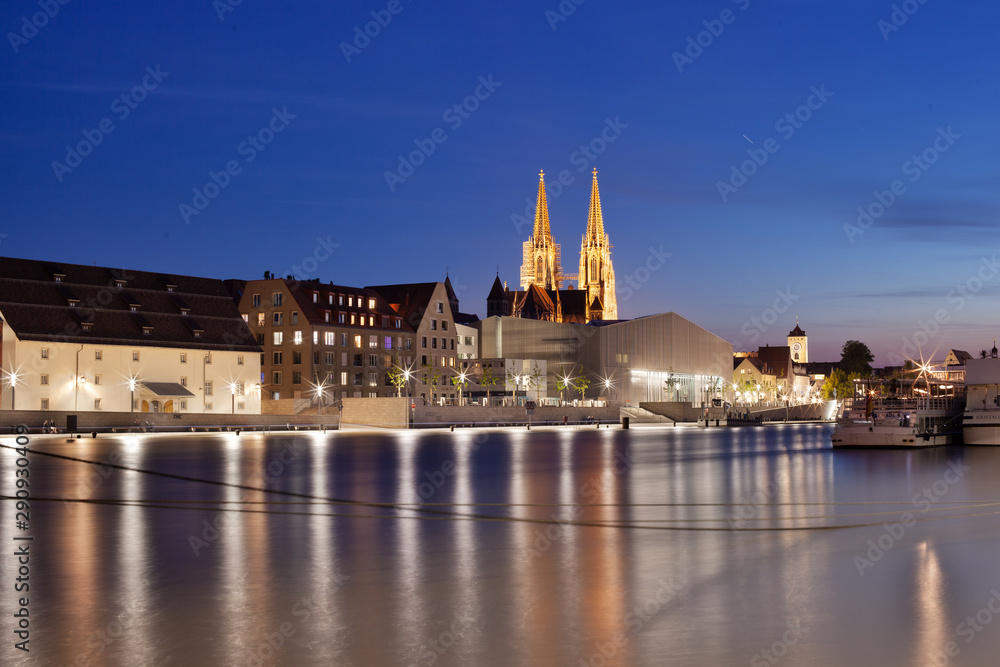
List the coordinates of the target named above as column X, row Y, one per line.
column 324, row 342
column 86, row 338
column 597, row 275
column 541, row 261
column 798, row 343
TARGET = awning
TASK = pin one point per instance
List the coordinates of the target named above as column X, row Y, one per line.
column 167, row 389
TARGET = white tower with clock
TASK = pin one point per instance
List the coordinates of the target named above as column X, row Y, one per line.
column 798, row 343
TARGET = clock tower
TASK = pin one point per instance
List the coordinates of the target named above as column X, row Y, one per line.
column 798, row 343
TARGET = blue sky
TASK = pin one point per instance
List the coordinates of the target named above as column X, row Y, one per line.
column 922, row 272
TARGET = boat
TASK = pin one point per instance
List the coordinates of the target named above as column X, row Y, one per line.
column 901, row 423
column 981, row 421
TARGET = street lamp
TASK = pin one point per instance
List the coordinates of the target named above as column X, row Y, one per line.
column 12, row 377
column 131, row 388
column 232, row 391
column 406, row 379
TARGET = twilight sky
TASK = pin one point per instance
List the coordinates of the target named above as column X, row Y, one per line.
column 840, row 103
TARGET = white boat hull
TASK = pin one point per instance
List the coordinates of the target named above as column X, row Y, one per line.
column 888, row 436
column 981, row 428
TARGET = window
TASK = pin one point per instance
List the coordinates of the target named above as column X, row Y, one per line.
column 241, row 405
column 45, row 379
column 453, row 343
column 261, row 319
column 73, row 303
column 340, row 302
column 371, row 320
column 315, row 297
column 326, row 315
column 276, row 299
column 343, row 358
column 343, row 340
column 278, row 337
column 371, row 304
column 409, row 343
column 45, row 353
column 277, row 358
column 135, row 355
column 147, row 331
column 357, row 379
column 260, row 339
column 276, row 378
column 120, row 284
column 296, row 377
column 297, row 338
column 423, row 342
column 98, row 355
column 423, row 359
column 184, row 357
column 444, row 325
column 45, row 404
column 353, row 319
column 330, row 338
column 246, row 318
column 208, row 406
column 208, row 358
column 440, row 307
column 208, row 388
column 331, row 299
column 399, row 322
column 316, row 358
column 296, row 357
column 184, row 404
column 372, row 341
column 255, row 301
column 277, row 319
column 184, row 381
column 239, row 359
column 341, row 318
column 98, row 379
column 295, row 317
column 373, row 360
column 315, row 337
column 350, row 301
column 357, row 341
column 434, row 343
column 434, row 325
column 387, row 360
column 97, row 404
column 357, row 359
column 343, row 378
column 373, row 379
column 330, row 358
column 388, row 342
column 133, row 308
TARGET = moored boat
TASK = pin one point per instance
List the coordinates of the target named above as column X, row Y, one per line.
column 901, row 423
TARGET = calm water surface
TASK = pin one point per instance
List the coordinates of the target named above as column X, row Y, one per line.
column 653, row 546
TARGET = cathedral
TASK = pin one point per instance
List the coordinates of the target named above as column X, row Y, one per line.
column 542, row 296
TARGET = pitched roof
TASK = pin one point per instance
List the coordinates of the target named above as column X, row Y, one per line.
column 797, row 331
column 45, row 301
column 409, row 300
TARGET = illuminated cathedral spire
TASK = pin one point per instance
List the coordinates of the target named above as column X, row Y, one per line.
column 597, row 275
column 541, row 257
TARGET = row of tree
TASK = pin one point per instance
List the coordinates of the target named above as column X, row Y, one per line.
column 430, row 374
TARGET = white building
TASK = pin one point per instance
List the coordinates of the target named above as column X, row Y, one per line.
column 82, row 338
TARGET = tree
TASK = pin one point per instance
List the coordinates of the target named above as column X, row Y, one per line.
column 672, row 383
column 535, row 379
column 460, row 379
column 856, row 358
column 581, row 385
column 429, row 374
column 489, row 379
column 562, row 383
column 839, row 385
column 398, row 377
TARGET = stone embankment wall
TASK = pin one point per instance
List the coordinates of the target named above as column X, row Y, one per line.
column 431, row 415
column 178, row 421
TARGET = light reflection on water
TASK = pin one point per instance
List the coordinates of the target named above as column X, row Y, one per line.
column 287, row 582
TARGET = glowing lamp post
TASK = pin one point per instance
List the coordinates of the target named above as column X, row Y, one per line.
column 131, row 388
column 12, row 377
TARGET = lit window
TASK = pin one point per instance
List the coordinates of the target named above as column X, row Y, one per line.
column 353, row 320
column 297, row 338
column 278, row 337
column 373, row 379
column 372, row 341
column 388, row 342
column 357, row 340
column 330, row 338
column 326, row 316
column 371, row 304
column 261, row 319
column 315, row 338
column 399, row 322
column 331, row 299
column 147, row 331
column 315, row 297
column 371, row 320
column 340, row 301
column 350, row 301
column 343, row 378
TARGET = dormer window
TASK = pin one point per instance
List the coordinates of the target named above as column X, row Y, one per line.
column 87, row 326
column 185, row 311
column 120, row 284
column 147, row 331
column 73, row 303
column 58, row 277
column 134, row 308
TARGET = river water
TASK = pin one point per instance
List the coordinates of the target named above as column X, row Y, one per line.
column 555, row 546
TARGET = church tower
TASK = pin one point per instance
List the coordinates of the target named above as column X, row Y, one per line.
column 597, row 275
column 798, row 343
column 541, row 264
